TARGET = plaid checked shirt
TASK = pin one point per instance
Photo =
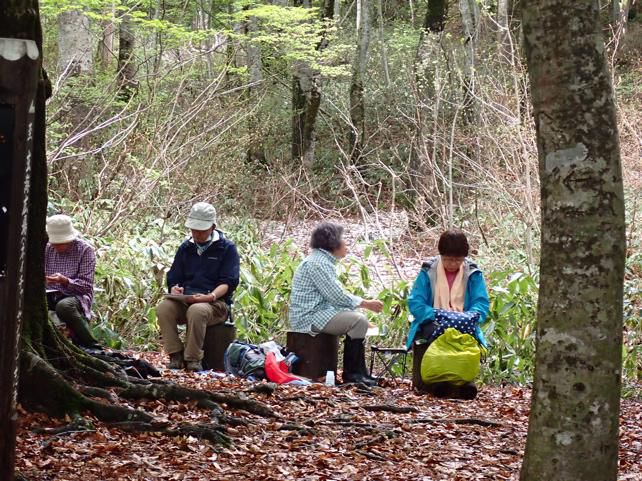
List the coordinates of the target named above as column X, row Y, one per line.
column 316, row 294
column 78, row 263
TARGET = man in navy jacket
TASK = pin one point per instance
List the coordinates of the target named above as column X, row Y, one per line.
column 206, row 271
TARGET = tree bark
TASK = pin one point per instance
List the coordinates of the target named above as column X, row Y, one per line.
column 357, row 101
column 126, row 68
column 470, row 14
column 573, row 428
column 106, row 45
column 254, row 63
column 75, row 52
column 20, row 63
column 306, row 98
column 427, row 64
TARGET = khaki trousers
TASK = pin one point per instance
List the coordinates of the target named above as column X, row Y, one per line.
column 198, row 317
column 352, row 323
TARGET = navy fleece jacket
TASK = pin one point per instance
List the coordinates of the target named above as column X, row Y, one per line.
column 219, row 264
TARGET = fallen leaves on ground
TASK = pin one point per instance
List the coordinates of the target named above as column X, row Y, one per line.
column 325, row 433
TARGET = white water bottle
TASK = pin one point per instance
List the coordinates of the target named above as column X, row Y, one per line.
column 329, row 378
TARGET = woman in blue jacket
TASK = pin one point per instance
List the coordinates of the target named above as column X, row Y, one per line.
column 448, row 283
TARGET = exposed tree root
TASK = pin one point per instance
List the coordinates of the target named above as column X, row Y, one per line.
column 211, row 432
column 42, row 388
column 171, row 392
column 79, row 424
column 479, row 422
column 91, row 391
column 60, row 379
column 391, row 408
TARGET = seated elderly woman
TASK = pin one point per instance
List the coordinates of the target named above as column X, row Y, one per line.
column 319, row 304
column 449, row 283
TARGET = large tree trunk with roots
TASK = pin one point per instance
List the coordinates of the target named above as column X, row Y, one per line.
column 20, row 63
column 55, row 376
column 573, row 429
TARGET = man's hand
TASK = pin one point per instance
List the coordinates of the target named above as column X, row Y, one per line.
column 176, row 290
column 196, row 298
column 57, row 279
column 373, row 305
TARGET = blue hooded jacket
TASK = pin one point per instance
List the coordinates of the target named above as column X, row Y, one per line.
column 201, row 274
column 420, row 301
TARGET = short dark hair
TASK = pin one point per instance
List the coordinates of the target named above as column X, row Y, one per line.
column 453, row 243
column 326, row 236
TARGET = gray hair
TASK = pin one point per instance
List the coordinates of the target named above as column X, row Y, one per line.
column 326, row 236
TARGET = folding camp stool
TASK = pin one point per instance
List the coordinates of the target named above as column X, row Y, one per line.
column 389, row 357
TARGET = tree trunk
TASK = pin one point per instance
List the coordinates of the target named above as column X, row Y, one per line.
column 75, row 52
column 106, row 44
column 470, row 15
column 126, row 68
column 357, row 101
column 20, row 63
column 620, row 16
column 427, row 65
column 306, row 98
column 573, row 428
column 254, row 63
column 503, row 26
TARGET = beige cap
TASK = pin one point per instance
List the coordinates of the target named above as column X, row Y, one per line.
column 60, row 229
column 201, row 217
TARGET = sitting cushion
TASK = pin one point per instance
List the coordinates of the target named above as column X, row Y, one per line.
column 464, row 322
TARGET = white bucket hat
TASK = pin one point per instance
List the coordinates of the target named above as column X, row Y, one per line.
column 201, row 217
column 60, row 229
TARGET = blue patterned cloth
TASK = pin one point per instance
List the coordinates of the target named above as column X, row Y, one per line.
column 464, row 322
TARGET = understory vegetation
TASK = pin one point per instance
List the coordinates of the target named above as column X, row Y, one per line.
column 204, row 107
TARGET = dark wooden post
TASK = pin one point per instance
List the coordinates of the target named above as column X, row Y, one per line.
column 19, row 67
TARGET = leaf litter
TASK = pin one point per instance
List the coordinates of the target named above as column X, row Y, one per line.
column 323, row 433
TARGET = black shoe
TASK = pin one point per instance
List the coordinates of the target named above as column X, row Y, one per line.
column 440, row 389
column 176, row 360
column 354, row 363
column 467, row 391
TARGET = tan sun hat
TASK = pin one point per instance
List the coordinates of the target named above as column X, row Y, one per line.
column 60, row 229
column 201, row 217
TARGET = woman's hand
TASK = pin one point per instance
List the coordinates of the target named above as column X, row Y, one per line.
column 176, row 290
column 373, row 305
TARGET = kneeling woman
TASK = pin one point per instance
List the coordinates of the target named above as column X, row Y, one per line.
column 319, row 304
column 449, row 283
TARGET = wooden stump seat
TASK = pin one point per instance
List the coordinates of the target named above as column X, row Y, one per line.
column 317, row 354
column 217, row 339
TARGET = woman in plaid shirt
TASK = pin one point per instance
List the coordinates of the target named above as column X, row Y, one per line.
column 70, row 264
column 319, row 304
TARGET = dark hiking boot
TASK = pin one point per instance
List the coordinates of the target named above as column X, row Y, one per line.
column 442, row 390
column 176, row 360
column 353, row 358
column 467, row 391
column 193, row 366
column 362, row 365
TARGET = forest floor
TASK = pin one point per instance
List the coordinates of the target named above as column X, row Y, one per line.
column 324, row 433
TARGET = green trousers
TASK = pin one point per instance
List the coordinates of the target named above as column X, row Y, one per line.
column 70, row 312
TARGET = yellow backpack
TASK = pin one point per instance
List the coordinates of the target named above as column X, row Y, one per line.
column 452, row 357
